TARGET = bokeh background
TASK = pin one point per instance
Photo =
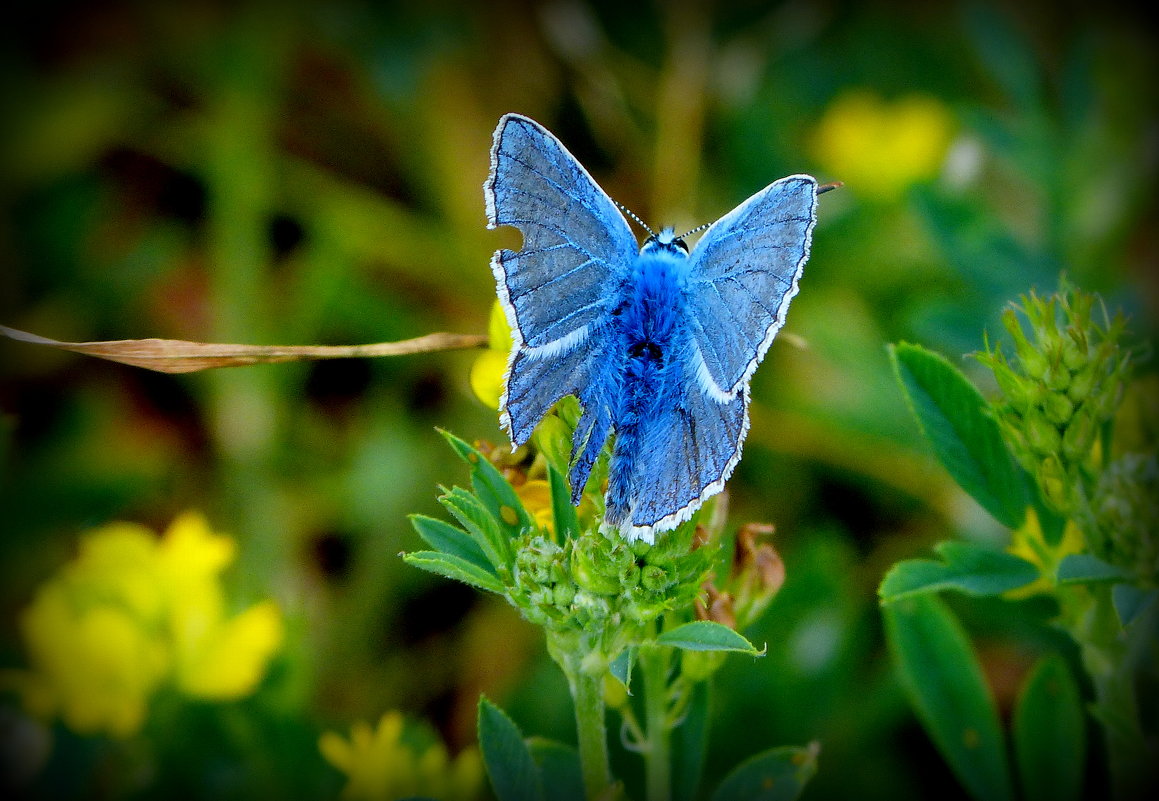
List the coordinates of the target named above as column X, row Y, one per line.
column 310, row 173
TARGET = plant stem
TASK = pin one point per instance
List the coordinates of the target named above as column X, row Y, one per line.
column 591, row 731
column 1109, row 656
column 1122, row 735
column 657, row 762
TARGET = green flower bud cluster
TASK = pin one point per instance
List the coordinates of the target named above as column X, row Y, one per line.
column 599, row 581
column 1065, row 381
column 1126, row 516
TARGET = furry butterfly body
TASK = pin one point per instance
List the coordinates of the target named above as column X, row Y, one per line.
column 658, row 344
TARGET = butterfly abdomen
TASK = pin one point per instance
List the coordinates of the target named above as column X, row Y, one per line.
column 653, row 344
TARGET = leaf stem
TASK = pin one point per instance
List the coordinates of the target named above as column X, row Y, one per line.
column 657, row 761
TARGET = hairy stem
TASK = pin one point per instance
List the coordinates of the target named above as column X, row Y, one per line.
column 657, row 761
column 591, row 731
column 1109, row 656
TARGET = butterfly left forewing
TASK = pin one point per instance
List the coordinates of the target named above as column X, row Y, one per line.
column 576, row 244
column 559, row 289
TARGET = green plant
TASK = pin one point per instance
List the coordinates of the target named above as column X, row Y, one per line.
column 1061, row 460
column 616, row 615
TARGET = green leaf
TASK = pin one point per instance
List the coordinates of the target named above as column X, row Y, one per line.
column 563, row 513
column 559, row 765
column 707, row 635
column 1131, row 601
column 454, row 567
column 690, row 744
column 479, row 523
column 510, row 766
column 496, row 493
column 1050, row 734
column 944, row 682
column 1082, row 568
column 965, row 567
column 952, row 415
column 621, row 668
column 444, row 537
column 779, row 774
column 1053, row 524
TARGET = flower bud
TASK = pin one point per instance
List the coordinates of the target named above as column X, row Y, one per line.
column 591, row 569
column 1015, row 390
column 1082, row 384
column 562, row 594
column 1058, row 409
column 718, row 606
column 1057, row 378
column 1079, row 436
column 630, row 577
column 1041, row 434
column 1074, row 354
column 654, row 578
column 1053, row 482
column 1032, row 362
column 1126, row 506
column 769, row 569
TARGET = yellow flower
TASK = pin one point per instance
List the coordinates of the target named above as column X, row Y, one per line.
column 216, row 657
column 879, row 148
column 132, row 612
column 488, row 370
column 1030, row 543
column 536, row 498
column 96, row 665
column 380, row 766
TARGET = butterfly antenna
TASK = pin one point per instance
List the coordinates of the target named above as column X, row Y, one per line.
column 632, row 214
column 823, row 188
column 695, row 230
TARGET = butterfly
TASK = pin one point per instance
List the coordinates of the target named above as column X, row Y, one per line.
column 657, row 342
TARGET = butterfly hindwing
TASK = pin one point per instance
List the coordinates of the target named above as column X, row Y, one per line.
column 681, row 455
column 559, row 288
column 743, row 275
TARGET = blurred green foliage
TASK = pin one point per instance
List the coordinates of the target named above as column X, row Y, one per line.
column 305, row 173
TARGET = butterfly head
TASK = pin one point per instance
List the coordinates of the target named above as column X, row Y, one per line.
column 666, row 240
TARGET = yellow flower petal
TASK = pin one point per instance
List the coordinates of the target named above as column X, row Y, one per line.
column 487, row 376
column 380, row 766
column 498, row 330
column 1029, row 542
column 191, row 551
column 536, row 498
column 233, row 656
column 100, row 665
column 117, row 563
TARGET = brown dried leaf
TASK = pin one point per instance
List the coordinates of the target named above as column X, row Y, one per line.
column 181, row 356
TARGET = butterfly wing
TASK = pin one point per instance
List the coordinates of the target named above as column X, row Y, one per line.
column 741, row 277
column 559, row 289
column 743, row 274
column 684, row 453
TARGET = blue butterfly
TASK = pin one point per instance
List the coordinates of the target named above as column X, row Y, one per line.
column 657, row 343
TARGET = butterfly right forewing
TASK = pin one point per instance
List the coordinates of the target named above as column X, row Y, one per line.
column 743, row 274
